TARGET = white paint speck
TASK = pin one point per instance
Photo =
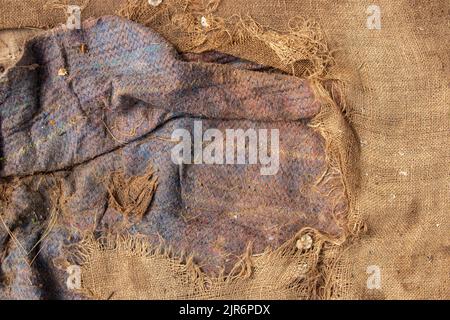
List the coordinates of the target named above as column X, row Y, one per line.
column 154, row 3
column 204, row 22
column 392, row 197
column 403, row 173
column 305, row 242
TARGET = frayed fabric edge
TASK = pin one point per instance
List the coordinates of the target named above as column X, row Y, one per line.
column 251, row 278
column 302, row 52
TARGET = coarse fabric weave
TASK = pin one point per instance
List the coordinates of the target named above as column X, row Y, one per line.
column 397, row 102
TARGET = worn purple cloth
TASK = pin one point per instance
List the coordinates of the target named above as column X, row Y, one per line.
column 71, row 118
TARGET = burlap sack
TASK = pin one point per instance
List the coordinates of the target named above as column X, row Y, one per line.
column 396, row 95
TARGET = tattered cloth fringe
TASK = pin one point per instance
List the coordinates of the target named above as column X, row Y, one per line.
column 193, row 27
column 127, row 267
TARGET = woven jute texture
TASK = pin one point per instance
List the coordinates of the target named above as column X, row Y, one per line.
column 397, row 94
column 397, row 101
column 49, row 13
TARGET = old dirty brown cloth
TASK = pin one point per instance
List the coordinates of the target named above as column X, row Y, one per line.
column 86, row 149
column 397, row 102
